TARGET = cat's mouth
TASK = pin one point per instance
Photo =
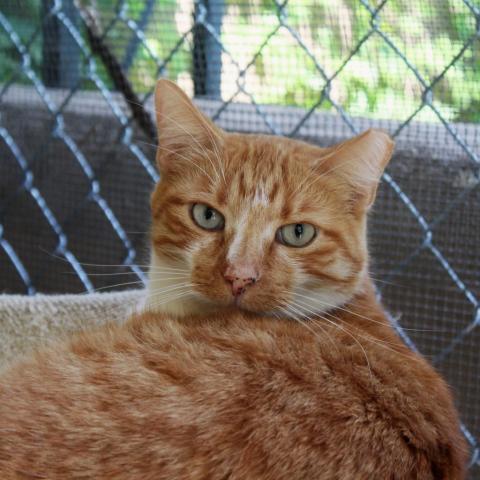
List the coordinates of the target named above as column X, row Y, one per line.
column 255, row 295
column 245, row 301
column 252, row 301
column 238, row 301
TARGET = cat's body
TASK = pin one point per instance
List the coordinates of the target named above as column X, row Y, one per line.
column 265, row 355
column 233, row 396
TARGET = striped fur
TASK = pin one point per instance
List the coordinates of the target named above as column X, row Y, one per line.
column 259, row 183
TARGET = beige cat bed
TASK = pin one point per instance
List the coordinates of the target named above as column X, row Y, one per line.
column 29, row 321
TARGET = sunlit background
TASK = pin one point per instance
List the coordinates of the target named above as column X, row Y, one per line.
column 287, row 53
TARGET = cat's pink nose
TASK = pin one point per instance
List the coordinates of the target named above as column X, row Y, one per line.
column 240, row 277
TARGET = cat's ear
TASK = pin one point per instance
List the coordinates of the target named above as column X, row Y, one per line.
column 360, row 162
column 182, row 128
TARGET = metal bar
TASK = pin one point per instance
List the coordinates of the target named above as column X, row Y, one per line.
column 61, row 55
column 207, row 52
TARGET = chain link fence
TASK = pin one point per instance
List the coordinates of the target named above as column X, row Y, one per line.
column 77, row 139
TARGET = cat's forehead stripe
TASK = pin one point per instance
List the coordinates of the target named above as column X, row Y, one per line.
column 274, row 191
column 239, row 237
column 260, row 198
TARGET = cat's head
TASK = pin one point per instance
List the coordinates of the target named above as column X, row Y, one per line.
column 263, row 223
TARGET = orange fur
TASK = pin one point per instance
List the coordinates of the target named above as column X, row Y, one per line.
column 298, row 376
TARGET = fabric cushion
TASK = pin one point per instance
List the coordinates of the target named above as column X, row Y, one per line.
column 26, row 322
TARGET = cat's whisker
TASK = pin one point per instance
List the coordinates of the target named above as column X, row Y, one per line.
column 174, row 277
column 275, row 314
column 171, row 274
column 106, row 287
column 294, row 313
column 291, row 314
column 157, row 302
column 371, row 338
column 124, row 273
column 159, row 273
column 171, row 269
column 333, row 306
column 84, row 264
column 171, row 292
column 376, row 341
column 101, row 274
column 170, row 288
column 318, row 324
column 289, row 302
column 380, row 280
column 313, row 299
column 162, row 269
column 348, row 332
column 148, row 144
column 114, row 265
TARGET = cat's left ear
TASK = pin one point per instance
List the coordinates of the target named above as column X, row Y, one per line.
column 182, row 128
column 360, row 162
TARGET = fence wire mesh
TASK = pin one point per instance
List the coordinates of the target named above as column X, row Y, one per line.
column 77, row 146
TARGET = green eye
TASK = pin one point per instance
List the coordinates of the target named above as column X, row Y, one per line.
column 207, row 217
column 296, row 234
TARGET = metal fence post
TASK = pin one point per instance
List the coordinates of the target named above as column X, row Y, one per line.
column 207, row 52
column 60, row 53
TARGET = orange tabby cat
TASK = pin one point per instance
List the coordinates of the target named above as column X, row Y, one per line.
column 265, row 354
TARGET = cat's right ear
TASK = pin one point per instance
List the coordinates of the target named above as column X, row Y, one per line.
column 359, row 162
column 182, row 129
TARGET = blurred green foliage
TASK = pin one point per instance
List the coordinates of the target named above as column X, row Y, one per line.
column 375, row 82
column 24, row 16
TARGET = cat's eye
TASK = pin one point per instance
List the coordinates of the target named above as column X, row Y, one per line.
column 207, row 217
column 296, row 234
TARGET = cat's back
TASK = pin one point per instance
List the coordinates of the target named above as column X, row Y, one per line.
column 226, row 398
